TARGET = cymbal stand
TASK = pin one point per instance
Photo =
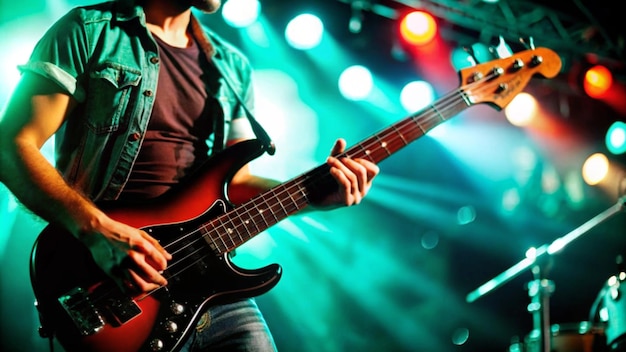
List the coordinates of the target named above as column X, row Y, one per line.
column 539, row 291
column 541, row 288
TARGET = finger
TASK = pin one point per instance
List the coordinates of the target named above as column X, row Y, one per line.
column 139, row 267
column 371, row 169
column 338, row 147
column 156, row 244
column 347, row 179
column 137, row 284
column 360, row 173
column 343, row 194
column 149, row 247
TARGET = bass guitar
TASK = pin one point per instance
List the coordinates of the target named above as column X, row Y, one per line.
column 199, row 226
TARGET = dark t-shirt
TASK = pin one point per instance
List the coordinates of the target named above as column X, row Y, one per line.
column 181, row 121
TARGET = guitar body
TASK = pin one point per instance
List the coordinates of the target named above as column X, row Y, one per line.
column 88, row 312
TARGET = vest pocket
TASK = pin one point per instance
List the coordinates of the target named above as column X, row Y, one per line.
column 111, row 87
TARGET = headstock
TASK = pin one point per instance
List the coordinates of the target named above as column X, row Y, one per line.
column 497, row 82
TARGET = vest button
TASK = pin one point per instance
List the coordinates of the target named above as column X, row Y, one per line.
column 154, row 60
column 134, row 136
column 148, row 93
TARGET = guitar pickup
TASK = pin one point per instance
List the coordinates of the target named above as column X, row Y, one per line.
column 83, row 313
column 117, row 307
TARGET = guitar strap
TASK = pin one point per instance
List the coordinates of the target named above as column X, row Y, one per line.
column 209, row 52
column 259, row 131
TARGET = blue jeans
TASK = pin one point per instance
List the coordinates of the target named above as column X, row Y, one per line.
column 238, row 326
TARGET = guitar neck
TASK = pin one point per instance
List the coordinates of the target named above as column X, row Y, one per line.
column 234, row 228
column 393, row 138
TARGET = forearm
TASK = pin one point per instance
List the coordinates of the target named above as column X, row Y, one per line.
column 39, row 187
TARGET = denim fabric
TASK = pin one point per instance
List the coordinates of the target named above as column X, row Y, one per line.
column 231, row 327
column 105, row 57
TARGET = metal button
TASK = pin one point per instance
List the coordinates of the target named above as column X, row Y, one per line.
column 134, row 136
column 154, row 60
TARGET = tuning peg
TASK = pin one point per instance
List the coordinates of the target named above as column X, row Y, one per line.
column 502, row 49
column 462, row 57
column 530, row 44
column 471, row 55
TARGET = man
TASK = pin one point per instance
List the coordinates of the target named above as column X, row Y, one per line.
column 132, row 93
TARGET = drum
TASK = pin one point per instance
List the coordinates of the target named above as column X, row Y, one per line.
column 609, row 311
column 574, row 337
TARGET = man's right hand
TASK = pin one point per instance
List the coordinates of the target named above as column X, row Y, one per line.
column 131, row 257
column 31, row 117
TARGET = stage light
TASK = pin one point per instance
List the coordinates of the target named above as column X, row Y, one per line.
column 304, row 31
column 595, row 169
column 521, row 110
column 241, row 13
column 597, row 81
column 417, row 95
column 616, row 138
column 355, row 82
column 418, row 28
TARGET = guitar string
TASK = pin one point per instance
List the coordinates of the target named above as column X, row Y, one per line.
column 409, row 125
column 459, row 96
column 415, row 123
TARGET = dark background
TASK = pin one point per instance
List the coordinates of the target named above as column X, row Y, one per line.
column 393, row 273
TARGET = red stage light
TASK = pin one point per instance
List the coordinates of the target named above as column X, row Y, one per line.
column 418, row 28
column 597, row 81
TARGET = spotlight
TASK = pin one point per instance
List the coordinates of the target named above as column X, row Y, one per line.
column 418, row 28
column 616, row 138
column 597, row 81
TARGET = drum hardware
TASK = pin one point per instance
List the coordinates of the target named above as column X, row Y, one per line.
column 540, row 289
column 573, row 337
column 609, row 311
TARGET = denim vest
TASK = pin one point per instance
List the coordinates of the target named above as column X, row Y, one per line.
column 107, row 60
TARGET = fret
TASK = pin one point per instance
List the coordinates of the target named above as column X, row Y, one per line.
column 395, row 128
column 441, row 117
column 241, row 226
column 232, row 230
column 206, row 234
column 246, row 221
column 289, row 203
column 270, row 208
column 465, row 97
column 221, row 229
column 293, row 201
column 260, row 212
column 250, row 219
column 280, row 202
column 383, row 145
column 365, row 153
column 305, row 195
column 303, row 198
column 417, row 120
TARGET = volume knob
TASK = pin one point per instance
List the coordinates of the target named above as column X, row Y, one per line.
column 156, row 345
column 177, row 308
column 171, row 326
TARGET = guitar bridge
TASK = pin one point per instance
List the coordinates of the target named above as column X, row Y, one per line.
column 89, row 316
column 83, row 313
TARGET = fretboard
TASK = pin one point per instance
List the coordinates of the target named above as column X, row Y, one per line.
column 237, row 226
